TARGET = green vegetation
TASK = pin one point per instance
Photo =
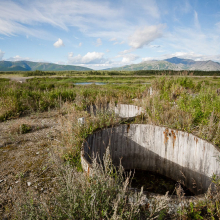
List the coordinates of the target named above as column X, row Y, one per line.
column 105, row 73
column 44, row 94
column 102, row 79
column 187, row 105
column 24, row 128
column 184, row 103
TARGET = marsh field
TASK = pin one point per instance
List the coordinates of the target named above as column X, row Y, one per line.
column 40, row 140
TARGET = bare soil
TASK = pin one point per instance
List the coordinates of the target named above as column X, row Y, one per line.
column 25, row 157
column 20, row 79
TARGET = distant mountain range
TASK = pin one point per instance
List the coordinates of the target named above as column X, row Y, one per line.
column 32, row 66
column 173, row 63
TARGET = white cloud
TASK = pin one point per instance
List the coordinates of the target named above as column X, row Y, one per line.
column 126, row 51
column 24, row 18
column 1, row 54
column 70, row 54
column 89, row 58
column 142, row 37
column 122, row 42
column 113, row 39
column 193, row 56
column 147, row 59
column 191, row 39
column 58, row 43
column 185, row 55
column 61, row 62
column 189, row 55
column 196, row 20
column 80, row 44
column 143, row 8
column 154, row 46
column 107, row 51
column 101, row 65
column 128, row 58
column 18, row 58
column 98, row 42
column 11, row 28
column 89, row 17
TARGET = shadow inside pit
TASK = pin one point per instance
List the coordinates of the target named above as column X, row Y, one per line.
column 155, row 183
column 135, row 156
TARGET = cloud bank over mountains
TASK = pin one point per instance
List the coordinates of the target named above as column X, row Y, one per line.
column 89, row 58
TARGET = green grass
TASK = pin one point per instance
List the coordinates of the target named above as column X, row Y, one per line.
column 184, row 103
column 105, row 79
column 43, row 94
column 133, row 72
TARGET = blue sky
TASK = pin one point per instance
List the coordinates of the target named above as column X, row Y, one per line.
column 101, row 34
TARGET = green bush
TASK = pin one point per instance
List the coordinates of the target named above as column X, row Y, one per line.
column 24, row 128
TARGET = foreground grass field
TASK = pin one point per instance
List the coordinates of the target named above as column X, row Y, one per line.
column 41, row 141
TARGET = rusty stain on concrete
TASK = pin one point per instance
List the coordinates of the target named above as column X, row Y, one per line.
column 166, row 138
column 143, row 150
column 174, row 137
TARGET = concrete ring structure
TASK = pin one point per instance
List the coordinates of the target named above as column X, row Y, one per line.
column 128, row 111
column 175, row 154
column 122, row 110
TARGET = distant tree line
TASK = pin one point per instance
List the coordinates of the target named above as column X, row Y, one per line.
column 116, row 73
column 39, row 73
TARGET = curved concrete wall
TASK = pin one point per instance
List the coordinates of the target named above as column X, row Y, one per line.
column 175, row 154
column 122, row 110
column 128, row 111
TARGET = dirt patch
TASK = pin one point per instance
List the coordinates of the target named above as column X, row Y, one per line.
column 20, row 79
column 25, row 156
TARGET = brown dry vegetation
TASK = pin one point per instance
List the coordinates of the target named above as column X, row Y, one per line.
column 42, row 149
column 25, row 157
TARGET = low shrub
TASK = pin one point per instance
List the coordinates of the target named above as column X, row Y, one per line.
column 104, row 194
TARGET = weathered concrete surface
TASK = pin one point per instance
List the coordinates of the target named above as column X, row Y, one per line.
column 128, row 111
column 121, row 110
column 175, row 154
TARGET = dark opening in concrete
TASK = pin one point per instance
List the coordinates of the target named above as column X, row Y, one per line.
column 175, row 154
column 156, row 183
